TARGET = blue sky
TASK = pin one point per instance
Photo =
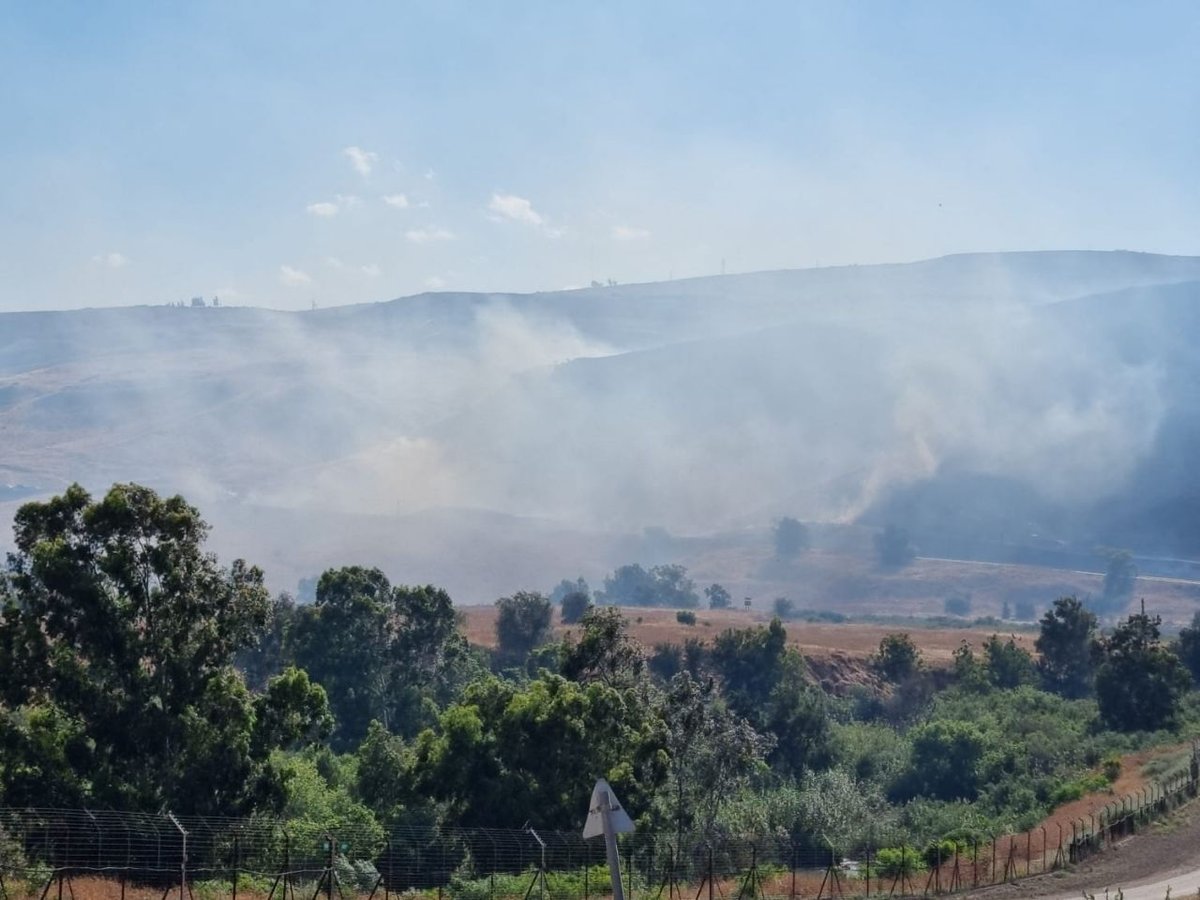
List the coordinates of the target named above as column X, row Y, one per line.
column 280, row 154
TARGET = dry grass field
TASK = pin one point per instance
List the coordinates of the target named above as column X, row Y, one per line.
column 816, row 641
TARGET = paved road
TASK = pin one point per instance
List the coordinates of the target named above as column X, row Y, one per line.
column 1181, row 886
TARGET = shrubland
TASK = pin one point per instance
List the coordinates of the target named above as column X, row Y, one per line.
column 139, row 672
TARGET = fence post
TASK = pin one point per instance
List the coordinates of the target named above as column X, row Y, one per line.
column 236, row 861
column 329, row 873
column 182, row 856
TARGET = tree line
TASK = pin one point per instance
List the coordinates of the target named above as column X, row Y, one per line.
column 138, row 672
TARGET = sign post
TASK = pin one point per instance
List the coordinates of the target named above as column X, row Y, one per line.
column 607, row 817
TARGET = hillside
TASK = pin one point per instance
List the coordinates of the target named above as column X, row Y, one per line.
column 996, row 404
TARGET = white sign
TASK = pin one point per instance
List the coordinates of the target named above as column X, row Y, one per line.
column 604, row 803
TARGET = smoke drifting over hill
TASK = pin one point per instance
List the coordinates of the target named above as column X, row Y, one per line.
column 698, row 405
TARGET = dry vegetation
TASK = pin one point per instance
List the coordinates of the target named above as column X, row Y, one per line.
column 817, row 641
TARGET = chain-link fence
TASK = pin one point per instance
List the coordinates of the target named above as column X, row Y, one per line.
column 95, row 855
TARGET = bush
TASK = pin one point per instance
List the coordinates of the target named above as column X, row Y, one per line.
column 940, row 852
column 574, row 605
column 891, row 862
column 718, row 597
column 685, row 617
column 784, row 608
column 1111, row 767
column 898, row 657
column 958, row 604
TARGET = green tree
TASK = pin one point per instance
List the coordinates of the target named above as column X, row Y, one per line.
column 1188, row 647
column 384, row 774
column 1066, row 648
column 791, row 538
column 574, row 606
column 783, row 608
column 567, row 587
column 1008, row 665
column 718, row 597
column 898, row 657
column 763, row 681
column 523, row 624
column 946, row 760
column 958, row 604
column 1140, row 683
column 381, row 652
column 712, row 752
column 506, row 754
column 342, row 640
column 633, row 585
column 604, row 651
column 968, row 671
column 292, row 713
column 268, row 654
column 117, row 638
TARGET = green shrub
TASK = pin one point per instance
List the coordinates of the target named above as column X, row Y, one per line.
column 943, row 851
column 891, row 862
column 503, row 886
column 1111, row 767
column 685, row 617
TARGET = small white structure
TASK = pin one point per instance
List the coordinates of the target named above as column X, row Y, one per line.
column 607, row 817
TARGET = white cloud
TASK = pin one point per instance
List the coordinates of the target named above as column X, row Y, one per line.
column 518, row 209
column 362, row 160
column 371, row 270
column 426, row 235
column 293, row 277
column 429, row 175
column 327, row 208
column 629, row 233
column 434, row 283
column 399, row 201
column 333, row 262
column 112, row 260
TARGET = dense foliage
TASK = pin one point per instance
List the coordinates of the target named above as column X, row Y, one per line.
column 138, row 672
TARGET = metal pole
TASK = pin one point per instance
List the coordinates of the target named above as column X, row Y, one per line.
column 610, row 846
column 182, row 857
column 329, row 881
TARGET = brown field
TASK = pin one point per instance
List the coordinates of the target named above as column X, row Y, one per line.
column 815, row 640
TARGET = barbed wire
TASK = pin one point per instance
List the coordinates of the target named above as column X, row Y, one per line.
column 269, row 857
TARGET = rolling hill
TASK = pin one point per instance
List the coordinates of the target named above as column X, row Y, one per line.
column 1018, row 407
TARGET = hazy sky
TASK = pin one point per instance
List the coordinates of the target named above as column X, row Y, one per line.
column 279, row 154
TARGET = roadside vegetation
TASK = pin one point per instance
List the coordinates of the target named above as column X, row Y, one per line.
column 138, row 672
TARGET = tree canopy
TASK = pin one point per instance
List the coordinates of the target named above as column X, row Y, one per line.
column 117, row 642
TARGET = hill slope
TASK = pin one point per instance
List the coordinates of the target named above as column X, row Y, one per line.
column 989, row 396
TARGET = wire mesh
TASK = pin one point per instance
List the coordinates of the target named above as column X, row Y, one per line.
column 97, row 854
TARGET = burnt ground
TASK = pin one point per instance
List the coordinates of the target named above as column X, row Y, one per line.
column 1160, row 850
